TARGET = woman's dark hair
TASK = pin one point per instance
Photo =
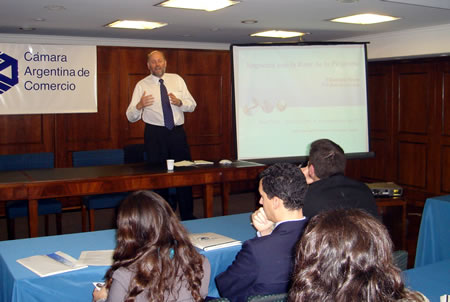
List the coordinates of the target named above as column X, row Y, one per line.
column 346, row 255
column 153, row 244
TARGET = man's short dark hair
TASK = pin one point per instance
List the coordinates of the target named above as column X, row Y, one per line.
column 327, row 157
column 285, row 181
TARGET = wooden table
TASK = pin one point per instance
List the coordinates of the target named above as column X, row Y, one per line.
column 383, row 203
column 63, row 182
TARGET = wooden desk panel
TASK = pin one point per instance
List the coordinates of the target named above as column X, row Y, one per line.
column 383, row 203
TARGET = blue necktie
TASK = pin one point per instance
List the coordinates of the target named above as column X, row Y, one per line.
column 167, row 109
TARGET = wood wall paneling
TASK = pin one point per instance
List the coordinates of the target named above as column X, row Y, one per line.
column 204, row 125
column 445, row 170
column 30, row 133
column 445, row 99
column 381, row 167
column 134, row 131
column 379, row 100
column 415, row 125
column 443, row 118
column 412, row 164
column 207, row 75
column 89, row 131
column 375, row 169
column 413, row 102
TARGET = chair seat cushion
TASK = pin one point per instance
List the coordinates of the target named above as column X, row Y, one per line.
column 104, row 201
column 19, row 208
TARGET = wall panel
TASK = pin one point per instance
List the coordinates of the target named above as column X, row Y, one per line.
column 26, row 133
column 445, row 169
column 412, row 164
column 445, row 101
column 413, row 102
column 375, row 169
column 379, row 100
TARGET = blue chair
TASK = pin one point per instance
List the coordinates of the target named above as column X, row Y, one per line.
column 19, row 208
column 134, row 153
column 268, row 298
column 103, row 201
column 401, row 259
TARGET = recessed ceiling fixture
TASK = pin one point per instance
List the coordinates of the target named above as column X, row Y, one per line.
column 249, row 21
column 55, row 7
column 207, row 5
column 27, row 28
column 365, row 19
column 131, row 24
column 278, row 34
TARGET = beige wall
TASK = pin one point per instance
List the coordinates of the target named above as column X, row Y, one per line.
column 426, row 41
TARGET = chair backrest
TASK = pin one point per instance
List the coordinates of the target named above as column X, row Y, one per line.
column 26, row 161
column 268, row 298
column 401, row 259
column 134, row 153
column 100, row 157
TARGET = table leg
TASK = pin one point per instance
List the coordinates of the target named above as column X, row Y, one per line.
column 208, row 198
column 225, row 197
column 33, row 219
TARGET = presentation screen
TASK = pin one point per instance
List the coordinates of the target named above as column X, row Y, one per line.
column 287, row 96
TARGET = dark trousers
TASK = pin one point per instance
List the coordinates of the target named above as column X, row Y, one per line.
column 161, row 144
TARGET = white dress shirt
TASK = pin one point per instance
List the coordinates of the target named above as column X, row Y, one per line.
column 153, row 114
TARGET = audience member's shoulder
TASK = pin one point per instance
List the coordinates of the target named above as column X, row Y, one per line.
column 352, row 181
column 123, row 275
column 206, row 264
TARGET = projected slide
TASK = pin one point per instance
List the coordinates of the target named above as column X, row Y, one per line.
column 288, row 96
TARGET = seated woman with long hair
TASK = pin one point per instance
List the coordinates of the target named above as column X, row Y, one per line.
column 346, row 255
column 154, row 259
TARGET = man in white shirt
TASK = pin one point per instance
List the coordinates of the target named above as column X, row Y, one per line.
column 162, row 140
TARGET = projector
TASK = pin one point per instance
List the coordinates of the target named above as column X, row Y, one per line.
column 385, row 189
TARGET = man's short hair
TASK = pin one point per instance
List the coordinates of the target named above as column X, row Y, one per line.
column 327, row 157
column 287, row 182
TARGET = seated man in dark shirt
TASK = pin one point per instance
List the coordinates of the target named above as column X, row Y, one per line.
column 264, row 264
column 328, row 187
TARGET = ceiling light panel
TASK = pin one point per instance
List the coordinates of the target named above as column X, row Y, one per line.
column 278, row 34
column 365, row 19
column 207, row 5
column 131, row 24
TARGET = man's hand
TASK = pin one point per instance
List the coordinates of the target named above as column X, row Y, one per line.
column 305, row 171
column 174, row 100
column 263, row 225
column 146, row 100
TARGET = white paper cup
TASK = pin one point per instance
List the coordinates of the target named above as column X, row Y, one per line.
column 170, row 163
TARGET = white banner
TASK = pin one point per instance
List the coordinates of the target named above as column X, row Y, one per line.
column 47, row 79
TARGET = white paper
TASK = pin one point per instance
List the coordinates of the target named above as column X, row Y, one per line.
column 183, row 163
column 187, row 163
column 203, row 162
column 97, row 258
column 46, row 266
column 212, row 241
